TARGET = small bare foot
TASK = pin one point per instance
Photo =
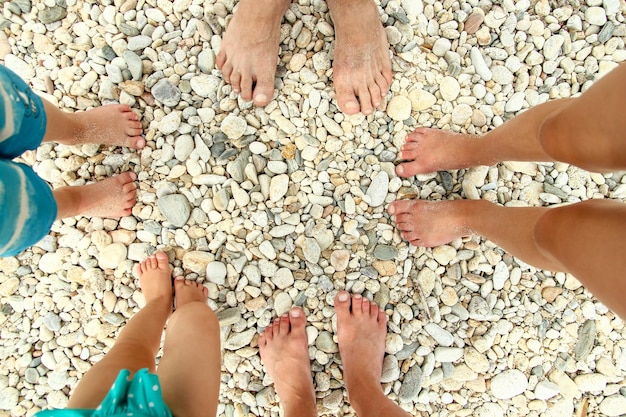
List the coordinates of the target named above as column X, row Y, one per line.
column 361, row 65
column 430, row 150
column 284, row 351
column 112, row 124
column 361, row 332
column 434, row 223
column 189, row 291
column 155, row 278
column 249, row 52
column 112, row 197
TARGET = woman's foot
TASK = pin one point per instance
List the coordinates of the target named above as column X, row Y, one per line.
column 429, row 150
column 284, row 351
column 361, row 66
column 189, row 291
column 249, row 52
column 112, row 197
column 434, row 223
column 112, row 124
column 155, row 279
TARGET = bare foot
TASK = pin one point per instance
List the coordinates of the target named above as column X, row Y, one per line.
column 434, row 223
column 284, row 351
column 430, row 150
column 361, row 65
column 189, row 292
column 361, row 331
column 113, row 124
column 249, row 52
column 155, row 278
column 112, row 197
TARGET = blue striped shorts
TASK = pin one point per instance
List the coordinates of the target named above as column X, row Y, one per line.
column 27, row 205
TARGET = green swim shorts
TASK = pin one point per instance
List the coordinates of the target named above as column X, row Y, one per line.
column 139, row 396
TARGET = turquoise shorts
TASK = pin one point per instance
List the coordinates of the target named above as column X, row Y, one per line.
column 27, row 205
column 139, row 396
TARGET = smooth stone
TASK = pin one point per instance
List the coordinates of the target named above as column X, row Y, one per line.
column 546, row 390
column 52, row 322
column 283, row 278
column 391, row 369
column 475, row 360
column 51, row 263
column 595, row 16
column 204, row 85
column 311, row 250
column 166, row 92
column 449, row 88
column 339, row 259
column 216, row 272
column 444, row 254
column 586, row 340
column 378, row 189
column 399, row 108
column 385, row 252
column 421, row 100
column 411, row 385
column 111, row 256
column 234, row 126
column 9, row 398
column 175, row 208
column 591, row 382
column 206, row 60
column 508, row 384
column 613, row 406
column 170, row 123
column 461, row 113
column 448, row 354
column 278, row 187
column 480, row 66
column 52, row 14
column 325, row 342
column 441, row 336
column 238, row 340
column 552, row 47
column 515, row 103
column 183, row 147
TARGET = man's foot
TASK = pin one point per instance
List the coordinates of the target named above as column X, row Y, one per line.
column 429, row 150
column 249, row 52
column 189, row 291
column 361, row 66
column 155, row 279
column 112, row 197
column 434, row 223
column 284, row 351
column 361, row 332
column 112, row 124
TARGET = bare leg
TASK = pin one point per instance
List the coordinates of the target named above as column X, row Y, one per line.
column 249, row 51
column 559, row 130
column 113, row 197
column 595, row 228
column 190, row 368
column 284, row 352
column 113, row 124
column 138, row 344
column 361, row 330
column 435, row 223
column 361, row 67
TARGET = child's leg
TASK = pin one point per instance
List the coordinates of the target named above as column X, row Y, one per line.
column 113, row 124
column 112, row 197
column 189, row 370
column 138, row 343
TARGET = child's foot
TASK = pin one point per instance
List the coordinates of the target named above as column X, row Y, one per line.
column 361, row 332
column 249, row 52
column 434, row 223
column 155, row 279
column 430, row 150
column 189, row 291
column 112, row 124
column 284, row 351
column 112, row 197
column 361, row 65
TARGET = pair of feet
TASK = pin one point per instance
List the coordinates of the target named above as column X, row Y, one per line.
column 114, row 125
column 361, row 333
column 156, row 283
column 361, row 67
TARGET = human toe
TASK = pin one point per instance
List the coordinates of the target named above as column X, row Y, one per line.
column 347, row 100
column 296, row 319
column 263, row 90
column 342, row 303
column 162, row 260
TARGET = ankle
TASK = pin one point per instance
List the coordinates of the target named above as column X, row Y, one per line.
column 366, row 397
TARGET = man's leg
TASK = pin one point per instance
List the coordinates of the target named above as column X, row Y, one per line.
column 138, row 343
column 190, row 368
column 285, row 354
column 361, row 330
column 361, row 66
column 249, row 52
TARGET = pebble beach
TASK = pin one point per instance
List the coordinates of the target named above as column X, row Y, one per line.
column 286, row 205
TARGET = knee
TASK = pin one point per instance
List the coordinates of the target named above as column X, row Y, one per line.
column 546, row 230
column 550, row 135
column 197, row 313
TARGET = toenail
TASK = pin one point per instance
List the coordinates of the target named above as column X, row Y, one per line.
column 343, row 296
column 260, row 98
column 391, row 210
column 295, row 312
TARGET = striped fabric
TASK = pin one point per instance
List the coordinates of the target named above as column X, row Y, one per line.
column 27, row 205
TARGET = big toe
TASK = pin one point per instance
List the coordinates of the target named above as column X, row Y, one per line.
column 162, row 260
column 263, row 90
column 297, row 319
column 408, row 169
column 347, row 100
column 342, row 304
